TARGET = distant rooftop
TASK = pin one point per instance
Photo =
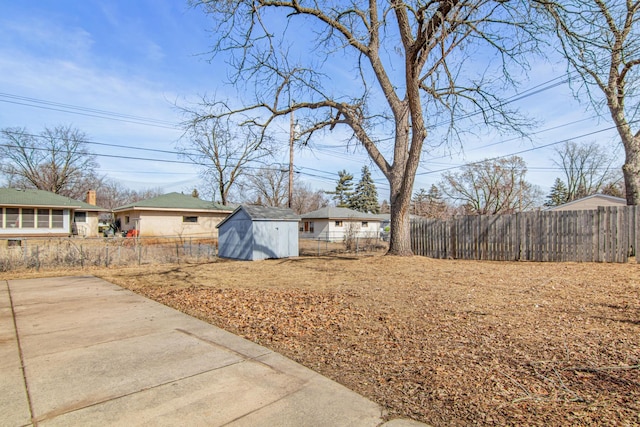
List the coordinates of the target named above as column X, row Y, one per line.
column 174, row 201
column 264, row 213
column 41, row 198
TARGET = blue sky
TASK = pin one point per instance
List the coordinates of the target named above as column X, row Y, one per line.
column 139, row 58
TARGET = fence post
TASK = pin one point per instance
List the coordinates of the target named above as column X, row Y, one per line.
column 37, row 258
column 106, row 256
column 81, row 256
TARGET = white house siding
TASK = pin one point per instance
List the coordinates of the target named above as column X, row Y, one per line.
column 320, row 228
column 328, row 230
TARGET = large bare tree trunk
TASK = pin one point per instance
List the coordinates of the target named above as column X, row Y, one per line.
column 400, row 238
column 631, row 169
column 631, row 143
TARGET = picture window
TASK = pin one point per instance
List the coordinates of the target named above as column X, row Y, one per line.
column 43, row 218
column 57, row 219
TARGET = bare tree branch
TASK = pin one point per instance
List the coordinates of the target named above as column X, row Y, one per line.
column 411, row 61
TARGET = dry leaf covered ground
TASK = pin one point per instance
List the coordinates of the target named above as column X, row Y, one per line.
column 441, row 341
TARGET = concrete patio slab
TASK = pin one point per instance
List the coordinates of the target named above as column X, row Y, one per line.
column 93, row 353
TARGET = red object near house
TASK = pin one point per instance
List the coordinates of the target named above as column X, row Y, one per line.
column 132, row 233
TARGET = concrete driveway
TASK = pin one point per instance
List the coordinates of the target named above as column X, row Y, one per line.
column 83, row 351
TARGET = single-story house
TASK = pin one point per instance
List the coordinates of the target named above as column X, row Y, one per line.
column 37, row 213
column 171, row 215
column 593, row 201
column 258, row 232
column 335, row 224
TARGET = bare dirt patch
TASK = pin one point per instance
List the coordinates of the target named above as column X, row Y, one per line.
column 444, row 342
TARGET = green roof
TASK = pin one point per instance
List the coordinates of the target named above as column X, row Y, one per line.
column 41, row 198
column 174, row 201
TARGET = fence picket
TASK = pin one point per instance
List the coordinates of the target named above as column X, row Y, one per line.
column 604, row 235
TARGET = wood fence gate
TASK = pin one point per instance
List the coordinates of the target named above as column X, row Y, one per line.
column 608, row 234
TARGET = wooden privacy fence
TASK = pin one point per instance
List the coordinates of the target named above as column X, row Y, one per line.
column 608, row 234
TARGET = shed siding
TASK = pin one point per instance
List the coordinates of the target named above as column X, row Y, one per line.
column 235, row 238
column 275, row 239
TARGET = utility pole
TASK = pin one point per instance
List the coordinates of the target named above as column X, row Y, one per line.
column 291, row 140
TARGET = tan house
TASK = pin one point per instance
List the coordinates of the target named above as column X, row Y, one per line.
column 590, row 202
column 28, row 213
column 172, row 215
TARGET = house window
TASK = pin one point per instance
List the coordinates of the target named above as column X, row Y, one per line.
column 191, row 219
column 79, row 217
column 308, row 227
column 43, row 218
column 13, row 217
column 1, row 218
column 28, row 218
column 365, row 223
column 127, row 219
column 338, row 223
column 57, row 218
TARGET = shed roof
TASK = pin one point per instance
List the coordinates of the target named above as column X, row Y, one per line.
column 171, row 201
column 264, row 213
column 40, row 198
column 332, row 212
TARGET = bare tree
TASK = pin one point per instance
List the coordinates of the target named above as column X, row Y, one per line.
column 492, row 187
column 601, row 42
column 306, row 200
column 429, row 62
column 224, row 152
column 111, row 194
column 430, row 204
column 56, row 160
column 587, row 168
column 270, row 186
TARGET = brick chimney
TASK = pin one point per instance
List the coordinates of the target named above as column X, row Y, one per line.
column 91, row 197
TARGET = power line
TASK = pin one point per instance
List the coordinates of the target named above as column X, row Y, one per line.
column 523, row 151
column 85, row 111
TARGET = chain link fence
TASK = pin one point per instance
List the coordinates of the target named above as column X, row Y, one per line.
column 112, row 252
column 56, row 253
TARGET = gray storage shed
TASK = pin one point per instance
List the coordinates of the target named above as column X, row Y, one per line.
column 258, row 232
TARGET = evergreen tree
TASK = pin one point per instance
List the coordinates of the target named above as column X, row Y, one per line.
column 420, row 201
column 344, row 189
column 559, row 194
column 365, row 198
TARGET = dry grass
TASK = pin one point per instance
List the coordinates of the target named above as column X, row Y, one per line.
column 441, row 341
